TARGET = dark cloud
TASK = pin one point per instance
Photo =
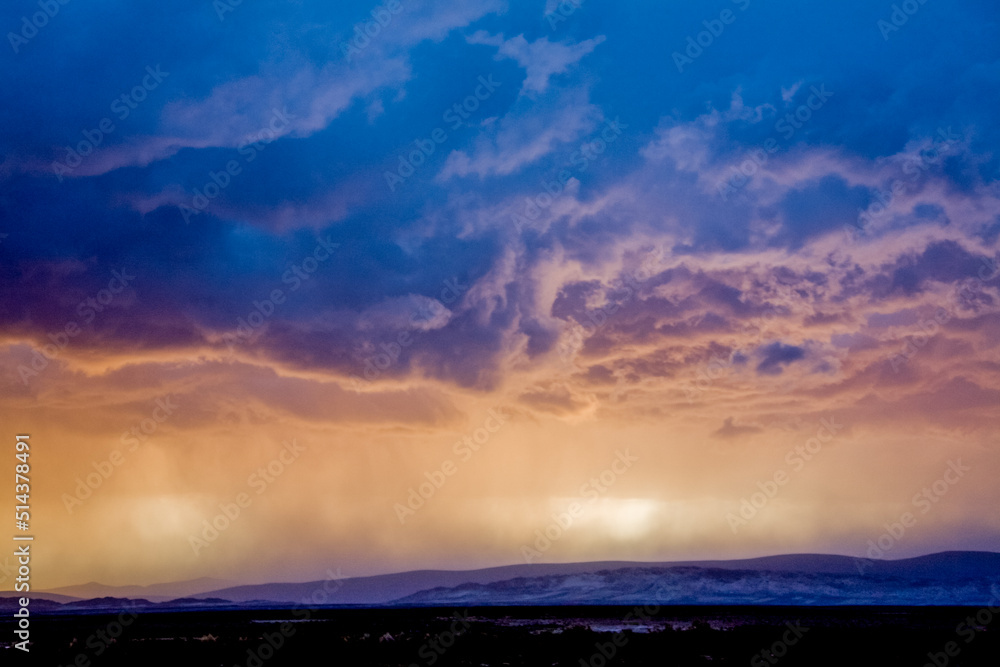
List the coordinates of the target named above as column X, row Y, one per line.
column 730, row 429
column 554, row 399
column 776, row 356
column 598, row 374
column 819, row 207
column 944, row 262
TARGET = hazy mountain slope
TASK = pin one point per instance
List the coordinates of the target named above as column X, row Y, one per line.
column 695, row 586
column 154, row 592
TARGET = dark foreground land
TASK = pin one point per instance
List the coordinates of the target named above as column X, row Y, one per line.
column 549, row 636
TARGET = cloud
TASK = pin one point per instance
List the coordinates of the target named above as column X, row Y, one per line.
column 541, row 59
column 557, row 400
column 775, row 356
column 434, row 20
column 414, row 312
column 529, row 132
column 295, row 101
column 730, row 429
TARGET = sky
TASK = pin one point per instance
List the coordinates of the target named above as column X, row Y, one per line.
column 294, row 287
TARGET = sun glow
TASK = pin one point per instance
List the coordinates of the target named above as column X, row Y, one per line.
column 626, row 518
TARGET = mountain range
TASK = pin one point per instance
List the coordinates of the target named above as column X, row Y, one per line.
column 948, row 578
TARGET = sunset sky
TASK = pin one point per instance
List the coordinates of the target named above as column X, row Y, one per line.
column 626, row 265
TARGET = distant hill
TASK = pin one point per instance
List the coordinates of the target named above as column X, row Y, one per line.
column 51, row 597
column 108, row 605
column 154, row 592
column 36, row 606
